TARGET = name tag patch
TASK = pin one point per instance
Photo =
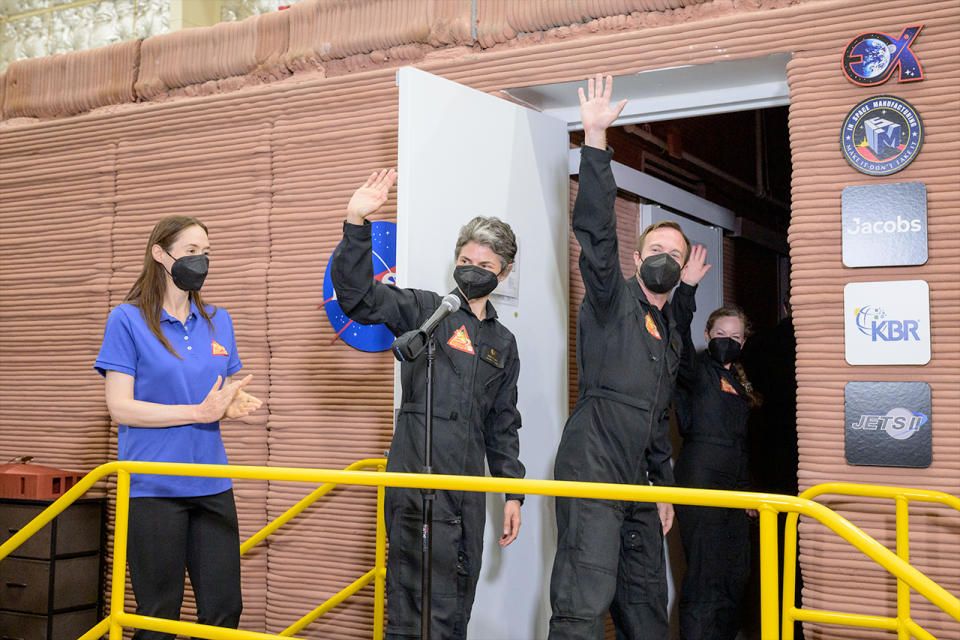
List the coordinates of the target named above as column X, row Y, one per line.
column 492, row 356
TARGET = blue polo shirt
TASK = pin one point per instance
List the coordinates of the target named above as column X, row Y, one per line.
column 159, row 376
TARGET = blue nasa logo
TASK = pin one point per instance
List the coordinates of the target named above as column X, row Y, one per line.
column 871, row 58
column 881, row 135
column 366, row 337
column 872, row 321
column 898, row 423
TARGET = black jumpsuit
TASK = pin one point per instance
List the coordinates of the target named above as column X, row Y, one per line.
column 475, row 415
column 610, row 554
column 712, row 410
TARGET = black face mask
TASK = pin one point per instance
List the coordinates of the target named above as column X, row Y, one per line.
column 660, row 273
column 474, row 282
column 724, row 350
column 189, row 272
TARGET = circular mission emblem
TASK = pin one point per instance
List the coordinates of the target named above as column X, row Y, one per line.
column 366, row 337
column 881, row 135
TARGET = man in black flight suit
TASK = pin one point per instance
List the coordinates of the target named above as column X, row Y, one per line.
column 475, row 410
column 610, row 554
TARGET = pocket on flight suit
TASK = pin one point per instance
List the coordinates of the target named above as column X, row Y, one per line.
column 641, row 562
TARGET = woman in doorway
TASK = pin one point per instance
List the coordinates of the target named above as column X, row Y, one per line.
column 168, row 360
column 713, row 400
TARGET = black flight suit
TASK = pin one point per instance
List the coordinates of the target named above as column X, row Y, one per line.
column 712, row 410
column 610, row 554
column 475, row 415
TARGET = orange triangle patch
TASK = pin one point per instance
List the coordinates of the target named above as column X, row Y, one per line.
column 727, row 387
column 652, row 327
column 460, row 340
column 218, row 349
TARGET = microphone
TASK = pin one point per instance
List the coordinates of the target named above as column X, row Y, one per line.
column 410, row 345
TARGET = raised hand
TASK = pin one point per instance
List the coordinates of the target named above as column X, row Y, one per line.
column 371, row 195
column 215, row 405
column 695, row 268
column 596, row 114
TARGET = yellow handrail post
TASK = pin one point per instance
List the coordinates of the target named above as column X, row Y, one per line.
column 119, row 582
column 769, row 578
column 903, row 551
column 380, row 562
column 789, row 576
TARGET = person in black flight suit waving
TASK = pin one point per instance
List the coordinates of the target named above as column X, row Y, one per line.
column 475, row 410
column 610, row 554
column 712, row 402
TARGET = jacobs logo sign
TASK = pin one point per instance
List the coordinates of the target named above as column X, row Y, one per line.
column 884, row 224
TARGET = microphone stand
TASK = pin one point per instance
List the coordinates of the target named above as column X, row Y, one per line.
column 428, row 496
column 406, row 348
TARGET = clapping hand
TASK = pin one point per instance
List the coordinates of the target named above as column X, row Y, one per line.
column 243, row 405
column 218, row 400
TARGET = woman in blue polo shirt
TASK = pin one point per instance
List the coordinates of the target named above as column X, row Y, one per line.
column 168, row 361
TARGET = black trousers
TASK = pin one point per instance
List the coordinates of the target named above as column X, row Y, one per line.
column 610, row 556
column 716, row 543
column 456, row 558
column 200, row 535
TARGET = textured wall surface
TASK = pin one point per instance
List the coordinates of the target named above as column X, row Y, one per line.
column 266, row 145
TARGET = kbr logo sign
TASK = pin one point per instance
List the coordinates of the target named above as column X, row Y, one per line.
column 888, row 424
column 887, row 322
column 873, row 322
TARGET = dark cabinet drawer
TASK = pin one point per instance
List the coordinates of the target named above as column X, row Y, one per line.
column 30, row 586
column 76, row 530
column 59, row 626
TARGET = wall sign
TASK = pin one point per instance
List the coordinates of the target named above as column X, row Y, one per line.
column 888, row 424
column 884, row 224
column 887, row 322
column 881, row 135
column 871, row 58
column 372, row 337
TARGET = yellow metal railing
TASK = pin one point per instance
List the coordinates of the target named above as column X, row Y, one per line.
column 902, row 624
column 767, row 504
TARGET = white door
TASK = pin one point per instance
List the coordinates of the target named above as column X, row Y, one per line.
column 464, row 153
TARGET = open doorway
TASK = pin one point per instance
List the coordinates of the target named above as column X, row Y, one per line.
column 740, row 162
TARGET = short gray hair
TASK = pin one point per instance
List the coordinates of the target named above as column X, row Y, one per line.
column 492, row 232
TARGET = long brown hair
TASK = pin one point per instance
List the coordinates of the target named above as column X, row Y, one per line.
column 733, row 311
column 147, row 292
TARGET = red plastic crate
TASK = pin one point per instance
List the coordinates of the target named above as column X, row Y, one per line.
column 35, row 482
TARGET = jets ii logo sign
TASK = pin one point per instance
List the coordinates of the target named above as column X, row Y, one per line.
column 871, row 58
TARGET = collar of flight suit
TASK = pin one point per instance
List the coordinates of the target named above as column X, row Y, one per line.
column 491, row 312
